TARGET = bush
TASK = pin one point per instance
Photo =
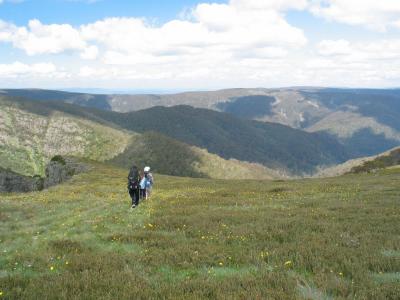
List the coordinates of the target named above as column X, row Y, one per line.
column 59, row 159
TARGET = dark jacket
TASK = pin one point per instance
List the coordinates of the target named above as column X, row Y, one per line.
column 133, row 178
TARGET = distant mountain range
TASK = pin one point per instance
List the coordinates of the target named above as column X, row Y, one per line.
column 294, row 130
column 31, row 133
column 367, row 121
column 60, row 128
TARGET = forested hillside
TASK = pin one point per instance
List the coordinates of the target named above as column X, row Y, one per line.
column 32, row 133
column 365, row 121
column 273, row 145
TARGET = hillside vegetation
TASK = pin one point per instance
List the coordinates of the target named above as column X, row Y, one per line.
column 29, row 140
column 32, row 133
column 198, row 238
column 272, row 145
column 168, row 156
column 366, row 121
column 386, row 160
column 82, row 99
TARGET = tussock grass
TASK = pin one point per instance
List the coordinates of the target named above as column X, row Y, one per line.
column 334, row 238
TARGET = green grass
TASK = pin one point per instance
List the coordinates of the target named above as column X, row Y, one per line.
column 333, row 238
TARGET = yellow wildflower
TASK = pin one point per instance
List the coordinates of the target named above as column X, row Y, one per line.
column 51, row 268
column 288, row 263
column 221, row 263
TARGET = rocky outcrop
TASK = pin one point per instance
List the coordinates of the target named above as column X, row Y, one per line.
column 58, row 170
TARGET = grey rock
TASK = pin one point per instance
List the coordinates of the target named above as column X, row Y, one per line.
column 13, row 182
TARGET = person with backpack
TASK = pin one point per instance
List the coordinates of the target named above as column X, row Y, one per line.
column 133, row 185
column 149, row 181
column 142, row 186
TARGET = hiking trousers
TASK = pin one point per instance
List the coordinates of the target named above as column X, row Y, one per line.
column 134, row 196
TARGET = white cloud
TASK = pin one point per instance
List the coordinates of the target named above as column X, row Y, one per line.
column 348, row 63
column 334, row 47
column 7, row 31
column 239, row 43
column 217, row 32
column 89, row 71
column 90, row 53
column 39, row 38
column 377, row 15
column 361, row 51
column 18, row 69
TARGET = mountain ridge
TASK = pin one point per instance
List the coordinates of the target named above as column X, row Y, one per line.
column 372, row 116
column 275, row 146
column 32, row 133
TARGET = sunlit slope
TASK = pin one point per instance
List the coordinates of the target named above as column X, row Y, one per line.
column 168, row 156
column 387, row 159
column 199, row 238
column 29, row 140
column 273, row 145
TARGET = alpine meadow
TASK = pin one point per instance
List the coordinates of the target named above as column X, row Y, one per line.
column 194, row 149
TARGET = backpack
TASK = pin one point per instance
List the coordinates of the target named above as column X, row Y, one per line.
column 133, row 178
column 143, row 182
column 149, row 180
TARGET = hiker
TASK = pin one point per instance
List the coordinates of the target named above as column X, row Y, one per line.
column 149, row 181
column 142, row 186
column 133, row 185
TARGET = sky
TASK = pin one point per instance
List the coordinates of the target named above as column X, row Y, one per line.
column 199, row 45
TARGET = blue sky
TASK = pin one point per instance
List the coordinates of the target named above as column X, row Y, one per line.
column 79, row 12
column 180, row 45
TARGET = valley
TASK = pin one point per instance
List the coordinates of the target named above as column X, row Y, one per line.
column 371, row 116
column 273, row 148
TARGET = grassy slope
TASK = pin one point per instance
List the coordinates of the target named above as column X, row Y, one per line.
column 199, row 238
